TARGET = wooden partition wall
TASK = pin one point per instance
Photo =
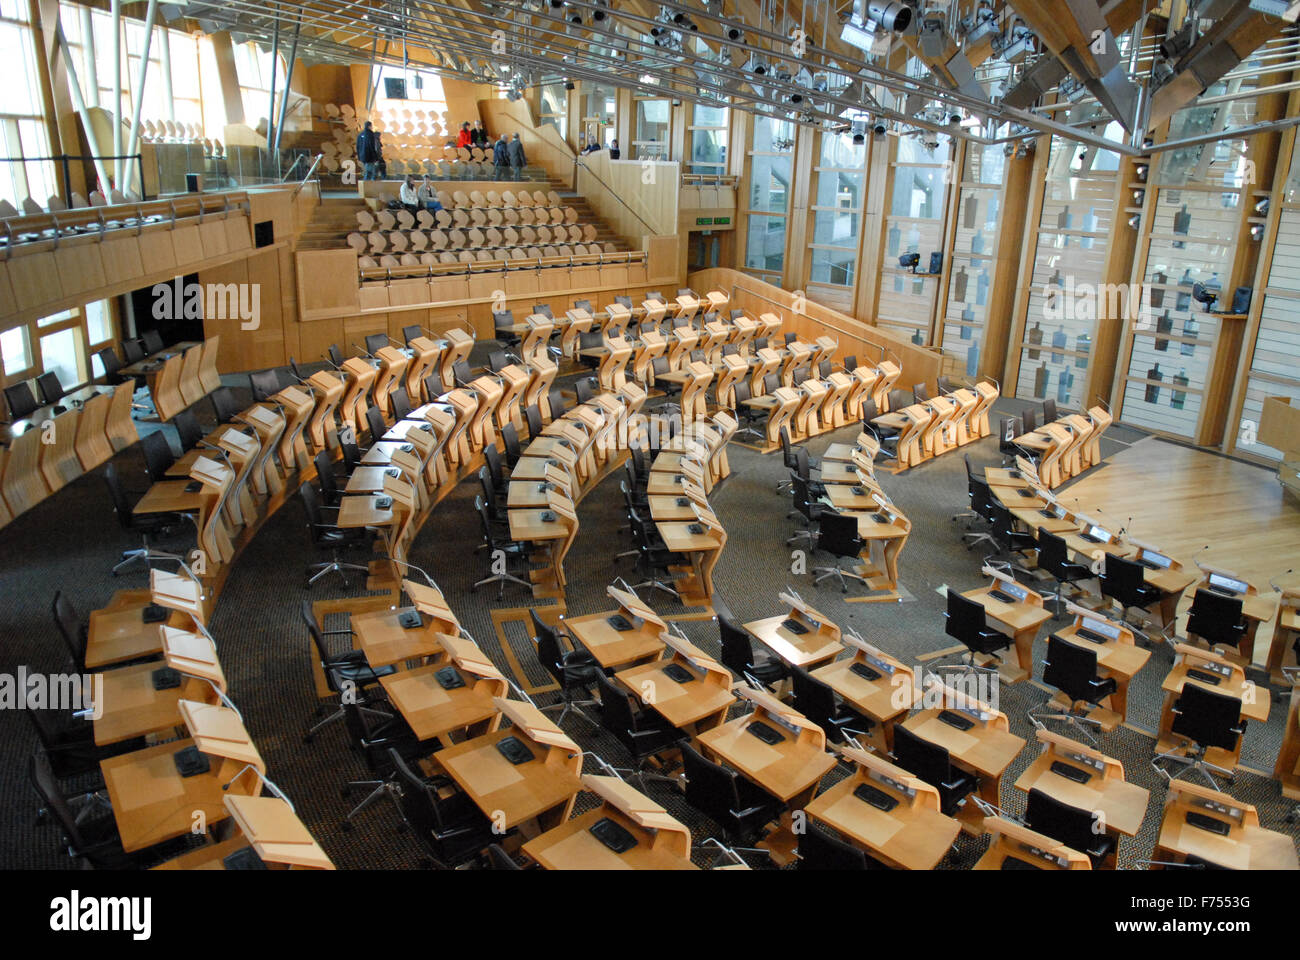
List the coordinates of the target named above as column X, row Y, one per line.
column 811, row 320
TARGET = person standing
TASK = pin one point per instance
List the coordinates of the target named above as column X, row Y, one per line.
column 501, row 158
column 517, row 158
column 614, row 151
column 368, row 154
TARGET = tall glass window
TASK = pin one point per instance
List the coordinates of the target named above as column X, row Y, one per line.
column 652, row 130
column 555, row 107
column 837, row 217
column 599, row 112
column 708, row 137
column 970, row 272
column 767, row 197
column 914, row 225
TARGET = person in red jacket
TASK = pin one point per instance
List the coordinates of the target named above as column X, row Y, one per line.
column 464, row 138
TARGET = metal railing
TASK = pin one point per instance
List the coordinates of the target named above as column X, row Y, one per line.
column 314, row 164
column 64, row 162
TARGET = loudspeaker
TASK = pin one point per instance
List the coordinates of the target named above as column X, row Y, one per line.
column 394, row 88
column 263, row 233
column 1241, row 300
column 936, row 262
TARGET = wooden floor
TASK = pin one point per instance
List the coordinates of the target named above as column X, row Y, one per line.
column 1182, row 500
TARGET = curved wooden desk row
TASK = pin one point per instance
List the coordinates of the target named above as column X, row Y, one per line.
column 934, row 427
column 152, row 803
column 1068, row 446
column 685, row 469
column 179, row 376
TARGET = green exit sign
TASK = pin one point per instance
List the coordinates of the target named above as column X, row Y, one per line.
column 712, row 221
column 703, row 221
column 720, row 221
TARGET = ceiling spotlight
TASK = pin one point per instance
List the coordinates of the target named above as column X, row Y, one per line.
column 1257, row 232
column 1139, row 197
column 1134, row 220
column 1262, row 207
column 858, row 129
column 735, row 35
column 1141, row 170
column 891, row 14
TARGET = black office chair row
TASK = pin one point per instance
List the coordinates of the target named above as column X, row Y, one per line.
column 22, row 402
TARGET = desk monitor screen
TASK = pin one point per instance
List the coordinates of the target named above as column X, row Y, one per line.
column 1228, row 584
column 1100, row 534
column 1158, row 559
column 1012, row 589
column 1098, row 627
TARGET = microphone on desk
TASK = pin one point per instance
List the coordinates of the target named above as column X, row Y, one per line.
column 364, row 351
column 410, row 566
column 265, row 780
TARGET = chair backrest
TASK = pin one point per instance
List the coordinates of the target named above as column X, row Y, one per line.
column 1121, row 579
column 616, row 714
column 20, row 400
column 787, row 454
column 489, row 491
column 335, row 355
column 544, row 309
column 224, row 405
column 814, row 699
column 329, row 485
column 188, row 429
column 412, row 331
column 584, row 389
column 582, row 305
column 376, row 342
column 1070, row 668
column 1050, row 413
column 710, row 787
column 495, row 468
column 311, row 502
column 1210, row 718
column 1008, row 429
column 771, row 382
column 152, row 340
column 121, row 505
column 510, row 436
column 1053, row 553
column 1072, row 826
column 375, row 421
column 69, row 625
column 110, row 361
column 351, row 456
column 401, row 402
column 50, row 389
column 317, row 639
column 133, row 351
column 549, row 652
column 838, row 534
column 737, row 651
column 964, row 618
column 502, row 320
column 498, row 859
column 158, row 456
column 920, row 393
column 1030, row 420
column 820, row 851
column 924, row 759
column 265, row 384
column 1215, row 617
column 52, row 799
column 534, row 418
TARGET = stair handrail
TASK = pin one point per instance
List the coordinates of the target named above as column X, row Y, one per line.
column 314, row 164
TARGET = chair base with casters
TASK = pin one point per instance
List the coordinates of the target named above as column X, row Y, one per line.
column 502, row 579
column 975, row 537
column 825, row 573
column 1193, row 760
column 806, row 537
column 655, row 583
column 337, row 717
column 318, row 570
column 379, row 790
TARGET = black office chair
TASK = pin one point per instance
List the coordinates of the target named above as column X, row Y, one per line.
column 1217, row 619
column 817, row 701
column 738, row 655
column 152, row 341
column 981, row 508
column 158, row 456
column 1050, row 413
column 746, row 415
column 71, row 628
column 111, row 362
column 376, row 424
column 348, row 673
column 225, row 406
column 1204, row 718
column 1029, row 420
column 495, row 466
column 20, row 400
column 145, row 525
column 1123, row 582
column 95, row 841
column 502, row 321
column 808, row 505
column 265, row 384
column 451, row 830
column 556, row 402
column 582, row 305
column 510, row 437
column 331, row 492
column 920, row 393
column 931, row 763
column 401, row 403
column 585, row 389
column 375, row 740
column 544, row 309
column 461, row 373
column 944, row 384
column 498, row 859
column 50, row 388
column 351, row 457
column 494, row 497
column 1072, row 669
column 434, row 387
column 132, row 351
column 375, row 342
column 654, row 559
column 590, row 341
column 965, row 621
column 1073, row 826
column 533, row 417
column 1009, row 538
column 572, row 670
column 410, row 332
column 791, row 460
column 818, row 850
column 643, row 733
column 837, row 534
column 886, row 436
column 1054, row 560
column 739, row 807
column 512, row 557
column 68, row 744
column 329, row 537
column 187, row 429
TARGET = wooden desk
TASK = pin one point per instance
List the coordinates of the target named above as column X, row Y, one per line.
column 662, row 843
column 1255, row 702
column 695, row 705
column 528, row 525
column 665, row 508
column 612, row 648
column 534, row 795
column 118, row 633
column 1119, row 657
column 1287, row 768
column 1286, row 631
column 384, row 641
column 132, row 707
column 433, row 711
column 1011, row 840
column 362, row 511
column 1247, row 846
column 369, row 480
column 819, row 642
column 914, row 835
column 1122, row 805
column 1256, row 608
column 884, row 699
column 704, row 549
column 1019, row 621
column 170, row 496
